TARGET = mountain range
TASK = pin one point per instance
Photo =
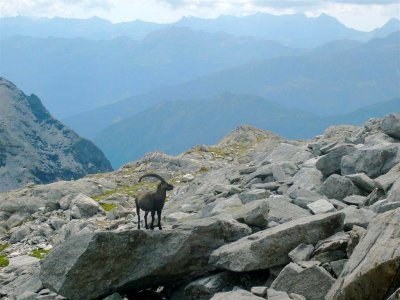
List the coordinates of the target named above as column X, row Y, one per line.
column 174, row 126
column 37, row 148
column 75, row 74
column 114, row 83
column 295, row 30
column 77, row 65
column 346, row 78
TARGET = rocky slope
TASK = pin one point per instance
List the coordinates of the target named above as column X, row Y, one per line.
column 36, row 148
column 253, row 217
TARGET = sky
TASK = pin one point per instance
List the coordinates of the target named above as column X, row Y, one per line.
column 359, row 14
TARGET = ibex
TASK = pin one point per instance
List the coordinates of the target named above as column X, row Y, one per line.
column 152, row 201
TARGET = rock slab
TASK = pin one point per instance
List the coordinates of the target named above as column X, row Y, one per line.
column 373, row 269
column 269, row 248
column 96, row 264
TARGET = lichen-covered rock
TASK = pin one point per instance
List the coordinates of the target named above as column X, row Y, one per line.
column 373, row 269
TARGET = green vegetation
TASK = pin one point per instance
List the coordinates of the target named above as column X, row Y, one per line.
column 4, row 246
column 204, row 169
column 39, row 253
column 3, row 261
column 108, row 206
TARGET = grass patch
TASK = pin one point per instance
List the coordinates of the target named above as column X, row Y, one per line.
column 3, row 261
column 4, row 247
column 39, row 253
column 108, row 206
column 203, row 170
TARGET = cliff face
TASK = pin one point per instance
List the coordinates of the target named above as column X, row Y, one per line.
column 36, row 148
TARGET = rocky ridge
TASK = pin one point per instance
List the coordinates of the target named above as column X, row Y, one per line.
column 36, row 148
column 253, row 217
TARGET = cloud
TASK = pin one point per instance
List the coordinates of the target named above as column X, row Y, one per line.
column 50, row 7
column 272, row 3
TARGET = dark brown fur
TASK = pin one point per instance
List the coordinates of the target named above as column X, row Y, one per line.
column 152, row 201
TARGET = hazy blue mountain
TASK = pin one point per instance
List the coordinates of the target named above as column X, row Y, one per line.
column 390, row 26
column 340, row 79
column 74, row 75
column 175, row 126
column 296, row 29
column 330, row 83
column 93, row 28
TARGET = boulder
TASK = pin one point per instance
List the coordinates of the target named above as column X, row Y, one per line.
column 307, row 179
column 304, row 201
column 391, row 125
column 187, row 177
column 288, row 153
column 355, row 235
column 301, row 252
column 207, row 286
column 270, row 248
column 394, row 192
column 373, row 160
column 362, row 181
column 254, row 214
column 354, row 216
column 313, row 282
column 177, row 217
column 95, row 264
column 373, row 269
column 330, row 163
column 355, row 200
column 252, row 195
column 263, row 173
column 84, row 207
column 338, row 187
column 227, row 205
column 19, row 234
column 382, row 206
column 332, row 248
column 260, row 291
column 386, row 181
column 277, row 295
column 282, row 211
column 236, row 295
column 22, row 276
column 337, row 266
column 321, row 206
